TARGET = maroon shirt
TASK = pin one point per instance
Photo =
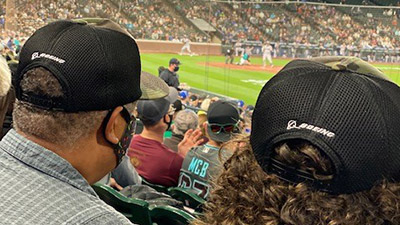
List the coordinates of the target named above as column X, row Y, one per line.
column 157, row 163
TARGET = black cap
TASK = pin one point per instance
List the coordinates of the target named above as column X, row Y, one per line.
column 174, row 61
column 96, row 63
column 153, row 110
column 353, row 118
column 222, row 113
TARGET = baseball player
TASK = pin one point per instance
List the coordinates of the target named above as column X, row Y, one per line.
column 267, row 51
column 186, row 45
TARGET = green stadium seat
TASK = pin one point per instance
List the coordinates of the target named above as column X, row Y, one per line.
column 188, row 198
column 157, row 187
column 168, row 215
column 135, row 210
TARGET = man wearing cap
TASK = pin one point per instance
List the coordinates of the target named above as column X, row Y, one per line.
column 72, row 122
column 202, row 163
column 324, row 149
column 169, row 75
column 183, row 121
column 154, row 161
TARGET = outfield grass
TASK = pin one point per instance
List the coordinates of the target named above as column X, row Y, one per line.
column 240, row 84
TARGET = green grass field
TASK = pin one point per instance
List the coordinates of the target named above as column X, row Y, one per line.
column 240, row 84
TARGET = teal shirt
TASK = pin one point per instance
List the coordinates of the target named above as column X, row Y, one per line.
column 201, row 165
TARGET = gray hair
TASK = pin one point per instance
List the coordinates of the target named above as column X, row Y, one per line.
column 52, row 126
column 185, row 120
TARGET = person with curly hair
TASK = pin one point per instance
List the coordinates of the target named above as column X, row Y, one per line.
column 324, row 149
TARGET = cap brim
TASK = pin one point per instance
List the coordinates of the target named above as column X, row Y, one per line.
column 220, row 137
column 351, row 63
column 173, row 95
column 152, row 87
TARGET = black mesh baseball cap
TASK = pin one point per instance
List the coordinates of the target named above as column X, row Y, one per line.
column 96, row 62
column 352, row 117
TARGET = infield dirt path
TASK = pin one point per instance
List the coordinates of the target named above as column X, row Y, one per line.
column 274, row 69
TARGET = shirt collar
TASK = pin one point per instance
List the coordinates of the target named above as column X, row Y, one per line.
column 44, row 160
column 211, row 147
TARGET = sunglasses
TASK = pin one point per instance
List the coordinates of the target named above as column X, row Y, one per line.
column 227, row 128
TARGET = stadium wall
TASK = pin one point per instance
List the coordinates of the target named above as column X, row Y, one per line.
column 152, row 46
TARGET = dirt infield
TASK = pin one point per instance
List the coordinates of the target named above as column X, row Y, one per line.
column 274, row 69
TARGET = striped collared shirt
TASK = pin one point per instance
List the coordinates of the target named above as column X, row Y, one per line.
column 40, row 187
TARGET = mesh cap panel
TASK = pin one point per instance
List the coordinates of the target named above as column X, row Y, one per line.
column 351, row 117
column 97, row 68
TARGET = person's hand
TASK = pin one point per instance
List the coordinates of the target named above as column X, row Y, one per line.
column 114, row 184
column 191, row 139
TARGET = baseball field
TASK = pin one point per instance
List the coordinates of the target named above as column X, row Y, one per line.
column 210, row 73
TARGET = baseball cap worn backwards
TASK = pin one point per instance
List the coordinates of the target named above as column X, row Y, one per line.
column 96, row 62
column 222, row 113
column 185, row 120
column 352, row 117
column 153, row 110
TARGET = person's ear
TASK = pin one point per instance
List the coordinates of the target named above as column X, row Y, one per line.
column 205, row 125
column 205, row 130
column 115, row 121
column 167, row 118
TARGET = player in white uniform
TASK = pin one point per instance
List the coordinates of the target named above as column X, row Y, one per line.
column 186, row 45
column 267, row 54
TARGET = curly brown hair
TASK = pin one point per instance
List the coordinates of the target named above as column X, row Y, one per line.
column 245, row 194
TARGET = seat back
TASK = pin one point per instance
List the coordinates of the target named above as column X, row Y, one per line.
column 135, row 210
column 168, row 215
column 156, row 187
column 188, row 198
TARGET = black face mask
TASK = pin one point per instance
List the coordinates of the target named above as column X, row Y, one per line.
column 176, row 68
column 168, row 123
column 122, row 146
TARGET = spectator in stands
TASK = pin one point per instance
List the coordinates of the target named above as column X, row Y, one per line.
column 5, row 93
column 154, row 161
column 170, row 76
column 183, row 121
column 194, row 101
column 184, row 97
column 125, row 174
column 177, row 105
column 68, row 136
column 203, row 163
column 325, row 162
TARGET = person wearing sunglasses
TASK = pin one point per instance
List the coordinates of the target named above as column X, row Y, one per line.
column 203, row 163
column 76, row 84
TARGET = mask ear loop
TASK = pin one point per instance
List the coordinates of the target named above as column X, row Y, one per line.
column 121, row 147
column 170, row 121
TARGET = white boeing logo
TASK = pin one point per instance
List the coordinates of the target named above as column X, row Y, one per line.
column 292, row 124
column 38, row 55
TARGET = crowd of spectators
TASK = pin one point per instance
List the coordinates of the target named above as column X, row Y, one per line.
column 232, row 24
column 144, row 19
column 329, row 30
column 151, row 20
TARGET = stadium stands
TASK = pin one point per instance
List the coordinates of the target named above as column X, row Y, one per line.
column 295, row 30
